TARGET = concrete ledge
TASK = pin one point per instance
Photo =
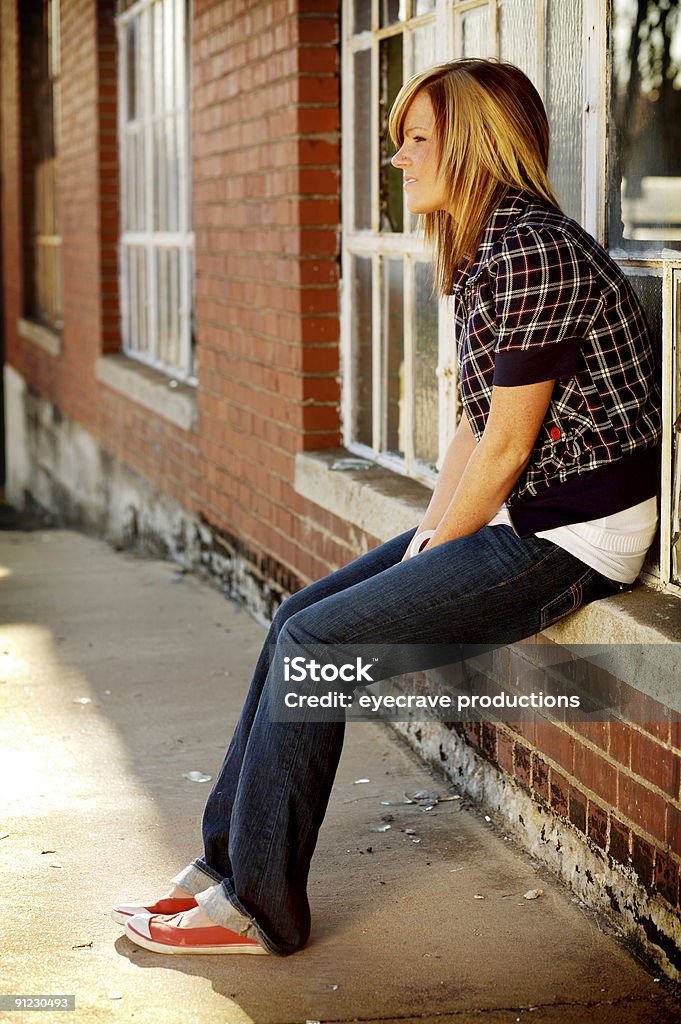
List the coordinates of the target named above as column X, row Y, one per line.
column 150, row 388
column 45, row 338
column 639, row 616
column 377, row 500
column 636, row 636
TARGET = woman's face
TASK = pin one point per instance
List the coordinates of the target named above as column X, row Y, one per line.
column 417, row 158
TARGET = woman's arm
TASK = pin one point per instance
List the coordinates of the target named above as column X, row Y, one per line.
column 483, row 479
column 460, row 449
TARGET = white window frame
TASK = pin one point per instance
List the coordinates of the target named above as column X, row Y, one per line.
column 382, row 246
column 140, row 331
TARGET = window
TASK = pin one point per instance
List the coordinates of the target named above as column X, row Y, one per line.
column 157, row 244
column 399, row 369
column 41, row 87
column 644, row 211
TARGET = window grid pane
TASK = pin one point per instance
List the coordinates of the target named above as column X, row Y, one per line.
column 425, row 366
column 362, row 160
column 362, row 349
column 391, row 192
column 393, row 355
column 563, row 98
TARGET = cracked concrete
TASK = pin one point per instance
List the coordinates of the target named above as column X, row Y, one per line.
column 97, row 789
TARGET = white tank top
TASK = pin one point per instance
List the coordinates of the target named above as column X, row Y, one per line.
column 616, row 545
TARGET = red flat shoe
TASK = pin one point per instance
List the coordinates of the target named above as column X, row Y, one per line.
column 160, row 935
column 171, row 905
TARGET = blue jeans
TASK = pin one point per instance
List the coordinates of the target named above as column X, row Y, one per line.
column 264, row 812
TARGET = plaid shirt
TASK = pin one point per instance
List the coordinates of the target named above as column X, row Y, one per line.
column 544, row 301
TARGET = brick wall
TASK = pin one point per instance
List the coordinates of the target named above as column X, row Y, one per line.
column 616, row 781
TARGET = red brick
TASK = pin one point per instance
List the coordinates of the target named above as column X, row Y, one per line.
column 597, row 732
column 315, row 60
column 620, row 742
column 540, row 778
column 675, row 730
column 595, row 773
column 505, row 751
column 642, row 806
column 559, row 789
column 645, row 712
column 673, row 830
column 321, row 120
column 318, row 30
column 642, row 857
column 667, row 877
column 598, row 825
column 527, row 729
column 557, row 744
column 523, row 765
column 655, row 763
column 577, row 808
column 620, row 838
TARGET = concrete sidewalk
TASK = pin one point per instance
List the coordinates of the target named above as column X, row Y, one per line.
column 117, row 677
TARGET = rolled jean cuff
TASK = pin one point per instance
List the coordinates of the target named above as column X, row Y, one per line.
column 216, row 903
column 195, row 878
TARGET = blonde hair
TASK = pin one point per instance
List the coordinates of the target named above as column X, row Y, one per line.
column 492, row 134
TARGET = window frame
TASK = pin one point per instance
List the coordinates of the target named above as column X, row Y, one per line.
column 140, row 338
column 43, row 301
column 380, row 247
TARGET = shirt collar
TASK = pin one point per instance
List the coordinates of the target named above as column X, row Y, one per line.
column 510, row 209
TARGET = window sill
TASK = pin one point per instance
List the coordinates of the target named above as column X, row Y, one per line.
column 384, row 504
column 45, row 338
column 149, row 388
column 378, row 501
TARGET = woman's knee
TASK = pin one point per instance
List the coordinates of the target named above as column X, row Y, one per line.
column 291, row 606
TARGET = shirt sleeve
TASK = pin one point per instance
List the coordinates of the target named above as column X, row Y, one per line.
column 545, row 300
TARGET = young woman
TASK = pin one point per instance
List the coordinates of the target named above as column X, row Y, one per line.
column 545, row 500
